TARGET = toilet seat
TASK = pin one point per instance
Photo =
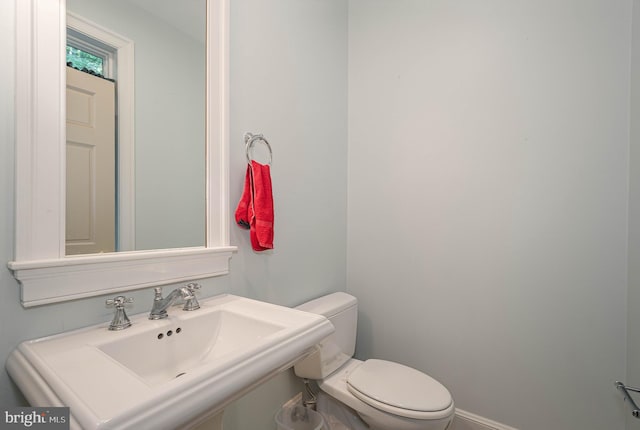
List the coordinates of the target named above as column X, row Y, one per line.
column 399, row 390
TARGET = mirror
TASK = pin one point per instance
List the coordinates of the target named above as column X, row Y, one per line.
column 160, row 202
column 45, row 273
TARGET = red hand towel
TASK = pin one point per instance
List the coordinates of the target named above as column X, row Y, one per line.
column 255, row 209
column 262, row 225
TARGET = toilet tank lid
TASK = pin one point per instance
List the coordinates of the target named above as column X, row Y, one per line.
column 330, row 304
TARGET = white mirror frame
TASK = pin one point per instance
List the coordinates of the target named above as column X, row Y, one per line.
column 40, row 265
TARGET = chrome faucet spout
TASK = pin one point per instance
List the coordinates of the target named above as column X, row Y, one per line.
column 160, row 304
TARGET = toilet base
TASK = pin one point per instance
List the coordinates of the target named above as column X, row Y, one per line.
column 338, row 416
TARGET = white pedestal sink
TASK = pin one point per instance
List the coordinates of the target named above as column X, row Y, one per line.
column 179, row 372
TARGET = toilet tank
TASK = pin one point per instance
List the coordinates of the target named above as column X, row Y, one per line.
column 341, row 309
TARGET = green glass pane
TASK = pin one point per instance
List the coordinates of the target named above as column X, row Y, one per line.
column 80, row 59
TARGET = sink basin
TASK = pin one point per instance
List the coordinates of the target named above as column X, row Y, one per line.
column 158, row 357
column 164, row 373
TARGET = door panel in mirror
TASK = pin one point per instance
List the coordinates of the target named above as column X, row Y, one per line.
column 91, row 165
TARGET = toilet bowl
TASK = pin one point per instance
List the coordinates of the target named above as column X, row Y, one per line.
column 385, row 394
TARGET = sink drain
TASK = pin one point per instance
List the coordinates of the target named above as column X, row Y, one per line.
column 180, row 374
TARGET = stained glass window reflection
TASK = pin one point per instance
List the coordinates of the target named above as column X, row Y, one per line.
column 82, row 60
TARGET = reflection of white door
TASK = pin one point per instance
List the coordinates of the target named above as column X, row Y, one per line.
column 91, row 192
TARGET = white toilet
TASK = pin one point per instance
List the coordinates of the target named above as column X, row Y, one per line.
column 386, row 395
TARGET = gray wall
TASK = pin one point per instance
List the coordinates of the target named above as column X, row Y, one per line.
column 288, row 81
column 488, row 161
column 633, row 298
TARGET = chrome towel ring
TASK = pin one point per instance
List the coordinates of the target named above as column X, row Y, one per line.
column 250, row 139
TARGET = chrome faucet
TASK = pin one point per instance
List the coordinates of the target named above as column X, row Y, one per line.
column 160, row 304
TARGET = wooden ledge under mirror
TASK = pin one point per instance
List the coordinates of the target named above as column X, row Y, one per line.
column 46, row 274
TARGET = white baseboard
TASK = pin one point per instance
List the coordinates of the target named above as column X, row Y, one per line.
column 464, row 420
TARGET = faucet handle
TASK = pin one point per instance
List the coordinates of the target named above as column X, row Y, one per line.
column 191, row 304
column 192, row 286
column 120, row 319
column 119, row 301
